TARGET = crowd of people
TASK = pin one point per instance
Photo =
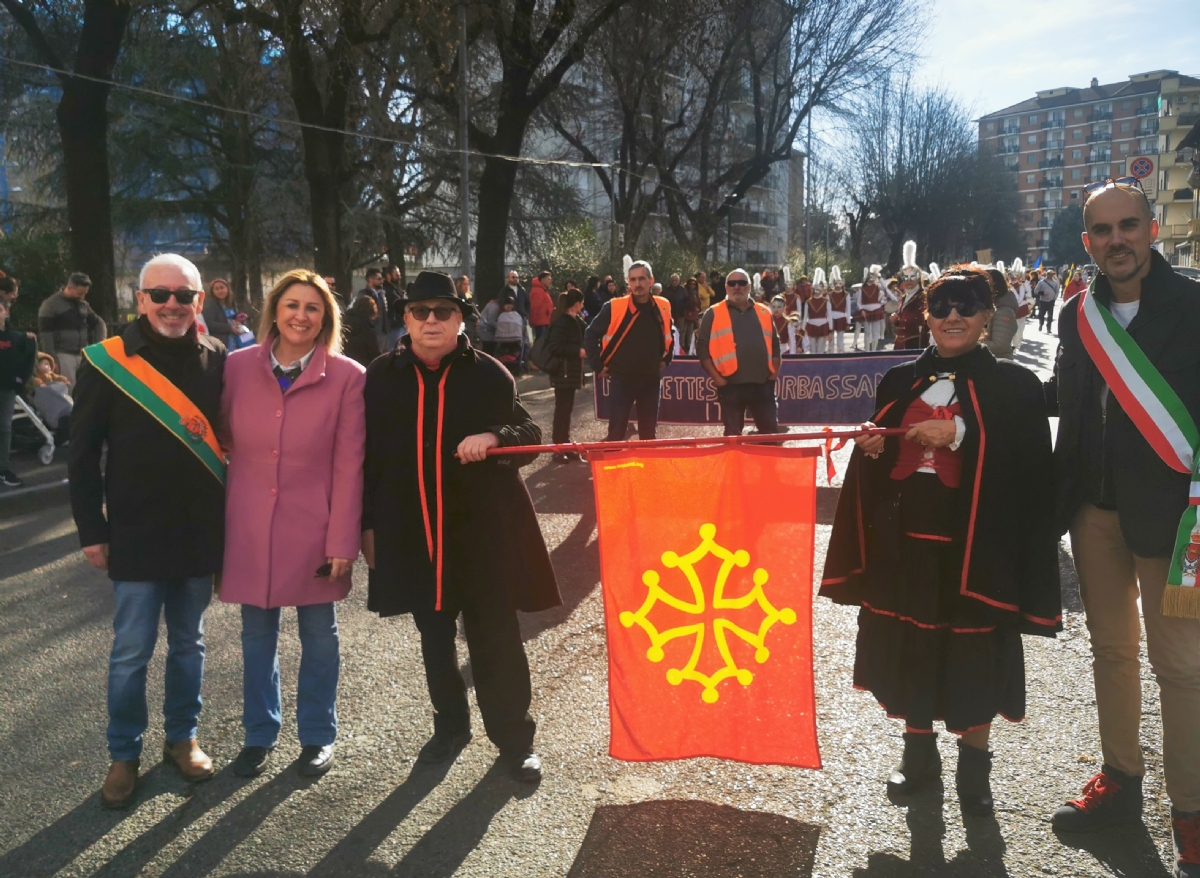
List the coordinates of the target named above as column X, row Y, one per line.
column 259, row 470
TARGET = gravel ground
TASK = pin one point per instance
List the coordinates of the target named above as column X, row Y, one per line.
column 376, row 814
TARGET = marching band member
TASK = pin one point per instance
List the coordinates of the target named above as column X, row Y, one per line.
column 791, row 335
column 816, row 315
column 909, row 320
column 1019, row 282
column 871, row 298
column 839, row 308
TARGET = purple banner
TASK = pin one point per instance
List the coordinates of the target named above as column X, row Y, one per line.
column 819, row 390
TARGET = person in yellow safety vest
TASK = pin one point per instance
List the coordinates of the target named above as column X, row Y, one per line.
column 739, row 348
column 630, row 342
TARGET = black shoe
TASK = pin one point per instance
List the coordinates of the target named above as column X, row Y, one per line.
column 9, row 479
column 1110, row 798
column 1185, row 838
column 562, row 458
column 438, row 750
column 920, row 764
column 526, row 768
column 252, row 761
column 315, row 760
column 972, row 777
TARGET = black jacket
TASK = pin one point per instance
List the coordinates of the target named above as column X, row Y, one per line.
column 1004, row 519
column 359, row 341
column 17, row 355
column 165, row 510
column 565, row 341
column 1102, row 458
column 490, row 538
column 640, row 355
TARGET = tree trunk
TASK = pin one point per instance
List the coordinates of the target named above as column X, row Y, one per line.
column 322, row 171
column 495, row 201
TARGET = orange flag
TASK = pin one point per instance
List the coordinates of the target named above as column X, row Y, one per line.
column 706, row 558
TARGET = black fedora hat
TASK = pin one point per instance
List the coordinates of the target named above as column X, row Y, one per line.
column 436, row 285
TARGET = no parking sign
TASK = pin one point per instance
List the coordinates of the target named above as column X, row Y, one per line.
column 1142, row 167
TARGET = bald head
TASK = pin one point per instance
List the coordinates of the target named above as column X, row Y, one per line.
column 1119, row 229
column 1121, row 198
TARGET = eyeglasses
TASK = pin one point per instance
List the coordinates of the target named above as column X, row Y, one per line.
column 161, row 297
column 737, row 283
column 1113, row 183
column 441, row 312
column 941, row 306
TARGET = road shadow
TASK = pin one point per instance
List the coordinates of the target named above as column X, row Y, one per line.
column 674, row 839
column 350, row 856
column 984, row 855
column 450, row 841
column 1123, row 851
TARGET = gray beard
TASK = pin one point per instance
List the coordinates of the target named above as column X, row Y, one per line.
column 169, row 333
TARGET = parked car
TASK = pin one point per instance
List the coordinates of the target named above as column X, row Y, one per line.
column 1192, row 273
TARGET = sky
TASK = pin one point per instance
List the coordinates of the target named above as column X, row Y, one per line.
column 995, row 53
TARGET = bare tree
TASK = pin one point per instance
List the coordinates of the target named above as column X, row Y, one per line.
column 82, row 118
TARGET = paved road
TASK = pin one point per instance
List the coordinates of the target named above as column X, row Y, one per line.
column 376, row 814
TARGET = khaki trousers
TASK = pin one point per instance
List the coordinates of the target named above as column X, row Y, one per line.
column 1109, row 578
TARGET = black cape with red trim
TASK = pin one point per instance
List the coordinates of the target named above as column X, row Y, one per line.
column 490, row 534
column 1004, row 518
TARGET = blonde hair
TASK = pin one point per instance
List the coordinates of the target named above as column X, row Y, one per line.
column 331, row 322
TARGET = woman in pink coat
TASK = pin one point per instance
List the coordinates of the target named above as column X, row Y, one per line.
column 293, row 426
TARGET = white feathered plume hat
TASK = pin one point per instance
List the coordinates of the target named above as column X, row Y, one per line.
column 935, row 271
column 818, row 281
column 787, row 275
column 1017, row 269
column 910, row 271
column 1000, row 265
column 626, row 264
column 835, row 277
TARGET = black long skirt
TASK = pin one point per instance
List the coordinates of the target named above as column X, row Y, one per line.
column 926, row 651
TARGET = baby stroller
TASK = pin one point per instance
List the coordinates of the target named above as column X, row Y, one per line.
column 510, row 330
column 29, row 431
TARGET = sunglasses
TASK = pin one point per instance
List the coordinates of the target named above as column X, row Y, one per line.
column 441, row 312
column 161, row 297
column 737, row 283
column 1113, row 183
column 941, row 306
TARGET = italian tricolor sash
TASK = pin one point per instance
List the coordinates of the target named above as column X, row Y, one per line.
column 1164, row 421
column 161, row 399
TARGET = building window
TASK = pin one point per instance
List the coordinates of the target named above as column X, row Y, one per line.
column 1031, row 178
column 1078, row 114
column 1033, row 138
column 1029, row 161
column 1124, row 147
column 1126, row 126
column 991, row 126
column 1075, row 174
column 1033, row 119
column 1029, row 199
column 1125, row 105
column 1077, row 153
column 1077, row 134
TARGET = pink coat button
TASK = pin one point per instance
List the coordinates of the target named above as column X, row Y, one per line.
column 275, row 453
column 279, row 413
column 273, row 492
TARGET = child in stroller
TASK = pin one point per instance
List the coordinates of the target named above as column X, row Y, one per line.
column 510, row 334
column 52, row 398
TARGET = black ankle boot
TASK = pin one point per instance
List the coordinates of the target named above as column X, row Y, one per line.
column 920, row 764
column 974, row 786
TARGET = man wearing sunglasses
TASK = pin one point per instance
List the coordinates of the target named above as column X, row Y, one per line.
column 154, row 517
column 1122, row 495
column 67, row 324
column 448, row 530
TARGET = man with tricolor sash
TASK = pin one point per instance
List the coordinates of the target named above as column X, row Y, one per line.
column 153, row 517
column 1127, row 389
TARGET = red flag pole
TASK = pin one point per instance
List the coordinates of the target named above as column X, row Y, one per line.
column 696, row 441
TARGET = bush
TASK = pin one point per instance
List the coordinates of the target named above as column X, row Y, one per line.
column 570, row 252
column 40, row 261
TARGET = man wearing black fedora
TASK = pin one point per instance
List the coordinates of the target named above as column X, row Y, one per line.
column 448, row 529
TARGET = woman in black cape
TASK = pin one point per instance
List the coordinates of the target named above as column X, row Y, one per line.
column 944, row 538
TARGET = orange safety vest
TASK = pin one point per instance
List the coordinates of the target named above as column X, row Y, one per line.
column 721, row 346
column 618, row 308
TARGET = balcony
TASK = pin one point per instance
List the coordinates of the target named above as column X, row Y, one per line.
column 1100, row 157
column 1188, row 119
column 1100, row 116
column 1051, row 144
column 1100, row 137
column 1147, row 110
column 1011, row 129
column 1043, row 224
column 1012, row 165
column 1177, row 230
column 1175, row 195
column 1148, row 129
column 1053, row 123
column 755, row 218
column 1050, row 183
column 762, row 257
column 1050, row 163
column 1049, row 205
column 1009, row 150
column 1194, row 229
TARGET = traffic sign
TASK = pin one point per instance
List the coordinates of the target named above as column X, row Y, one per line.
column 1142, row 167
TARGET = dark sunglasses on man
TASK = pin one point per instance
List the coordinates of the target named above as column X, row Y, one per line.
column 737, row 282
column 441, row 312
column 161, row 297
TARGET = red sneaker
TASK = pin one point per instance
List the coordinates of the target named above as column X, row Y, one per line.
column 1109, row 798
column 1185, row 833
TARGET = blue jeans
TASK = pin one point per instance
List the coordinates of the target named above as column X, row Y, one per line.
column 621, row 398
column 316, row 692
column 735, row 399
column 135, row 633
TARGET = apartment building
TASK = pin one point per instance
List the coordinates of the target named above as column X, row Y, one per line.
column 1064, row 138
column 1178, row 203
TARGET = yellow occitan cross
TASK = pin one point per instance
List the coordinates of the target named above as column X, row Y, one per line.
column 721, row 627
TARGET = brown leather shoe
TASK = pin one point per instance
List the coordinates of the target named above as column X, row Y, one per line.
column 189, row 759
column 120, row 784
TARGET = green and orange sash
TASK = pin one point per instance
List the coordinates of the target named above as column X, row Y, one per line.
column 1165, row 423
column 161, row 399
